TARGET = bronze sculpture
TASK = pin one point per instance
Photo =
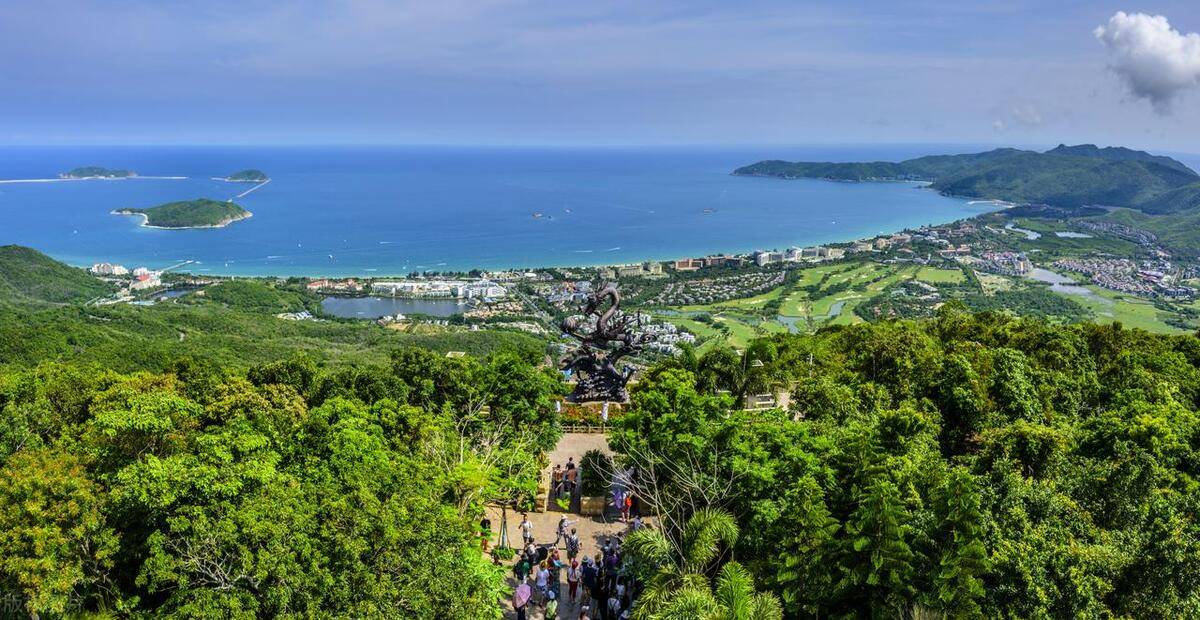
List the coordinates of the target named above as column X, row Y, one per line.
column 595, row 361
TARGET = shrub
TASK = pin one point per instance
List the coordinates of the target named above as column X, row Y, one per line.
column 596, row 471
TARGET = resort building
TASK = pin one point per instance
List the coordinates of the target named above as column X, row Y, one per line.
column 108, row 269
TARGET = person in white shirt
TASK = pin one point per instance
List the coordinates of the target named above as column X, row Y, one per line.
column 526, row 528
column 543, row 580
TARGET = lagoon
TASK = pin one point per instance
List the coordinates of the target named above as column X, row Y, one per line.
column 375, row 211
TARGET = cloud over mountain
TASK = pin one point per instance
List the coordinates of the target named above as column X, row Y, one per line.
column 1153, row 59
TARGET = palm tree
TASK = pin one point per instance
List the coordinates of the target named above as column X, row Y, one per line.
column 678, row 588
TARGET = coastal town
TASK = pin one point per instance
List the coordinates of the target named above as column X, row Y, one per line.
column 993, row 261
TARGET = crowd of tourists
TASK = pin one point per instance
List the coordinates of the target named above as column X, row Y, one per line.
column 597, row 582
column 562, row 572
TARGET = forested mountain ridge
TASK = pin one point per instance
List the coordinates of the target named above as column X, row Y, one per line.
column 1064, row 176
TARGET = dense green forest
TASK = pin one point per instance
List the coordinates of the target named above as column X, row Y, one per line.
column 1066, row 176
column 281, row 491
column 968, row 465
column 971, row 465
column 201, row 212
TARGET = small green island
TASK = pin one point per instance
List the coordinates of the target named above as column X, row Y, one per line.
column 198, row 213
column 248, row 176
column 96, row 172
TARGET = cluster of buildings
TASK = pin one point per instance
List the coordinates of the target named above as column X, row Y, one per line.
column 303, row 315
column 139, row 279
column 711, row 290
column 515, row 276
column 489, row 311
column 1124, row 276
column 1004, row 263
column 108, row 269
column 646, row 269
column 564, row 294
column 665, row 338
column 1121, row 231
column 452, row 289
column 716, row 260
column 795, row 255
column 349, row 285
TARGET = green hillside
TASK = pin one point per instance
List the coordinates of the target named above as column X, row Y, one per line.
column 231, row 323
column 1175, row 200
column 199, row 213
column 1064, row 180
column 28, row 275
column 1066, row 176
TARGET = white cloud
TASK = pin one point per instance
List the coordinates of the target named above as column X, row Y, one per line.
column 1021, row 116
column 1154, row 61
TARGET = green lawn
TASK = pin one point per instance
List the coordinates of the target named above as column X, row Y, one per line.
column 935, row 275
column 739, row 329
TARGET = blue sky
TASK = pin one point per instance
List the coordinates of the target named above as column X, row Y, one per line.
column 609, row 73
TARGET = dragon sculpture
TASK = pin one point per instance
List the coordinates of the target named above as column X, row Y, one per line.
column 595, row 361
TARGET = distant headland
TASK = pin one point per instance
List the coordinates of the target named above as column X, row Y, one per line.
column 198, row 213
column 96, row 172
column 1065, row 176
column 247, row 176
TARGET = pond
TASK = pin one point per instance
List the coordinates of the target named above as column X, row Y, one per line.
column 375, row 307
column 799, row 324
column 173, row 293
column 1064, row 284
column 1029, row 234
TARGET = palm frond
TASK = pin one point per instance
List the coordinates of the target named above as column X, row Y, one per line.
column 689, row 604
column 703, row 536
column 766, row 606
column 735, row 591
column 648, row 546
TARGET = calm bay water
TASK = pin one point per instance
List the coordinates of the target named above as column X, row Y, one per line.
column 374, row 211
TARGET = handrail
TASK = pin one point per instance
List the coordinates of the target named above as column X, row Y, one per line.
column 584, row 428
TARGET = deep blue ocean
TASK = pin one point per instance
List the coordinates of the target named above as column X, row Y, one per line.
column 391, row 210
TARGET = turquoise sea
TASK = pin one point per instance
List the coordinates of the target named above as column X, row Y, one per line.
column 391, row 210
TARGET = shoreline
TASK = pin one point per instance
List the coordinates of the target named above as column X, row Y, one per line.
column 145, row 219
column 922, row 184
